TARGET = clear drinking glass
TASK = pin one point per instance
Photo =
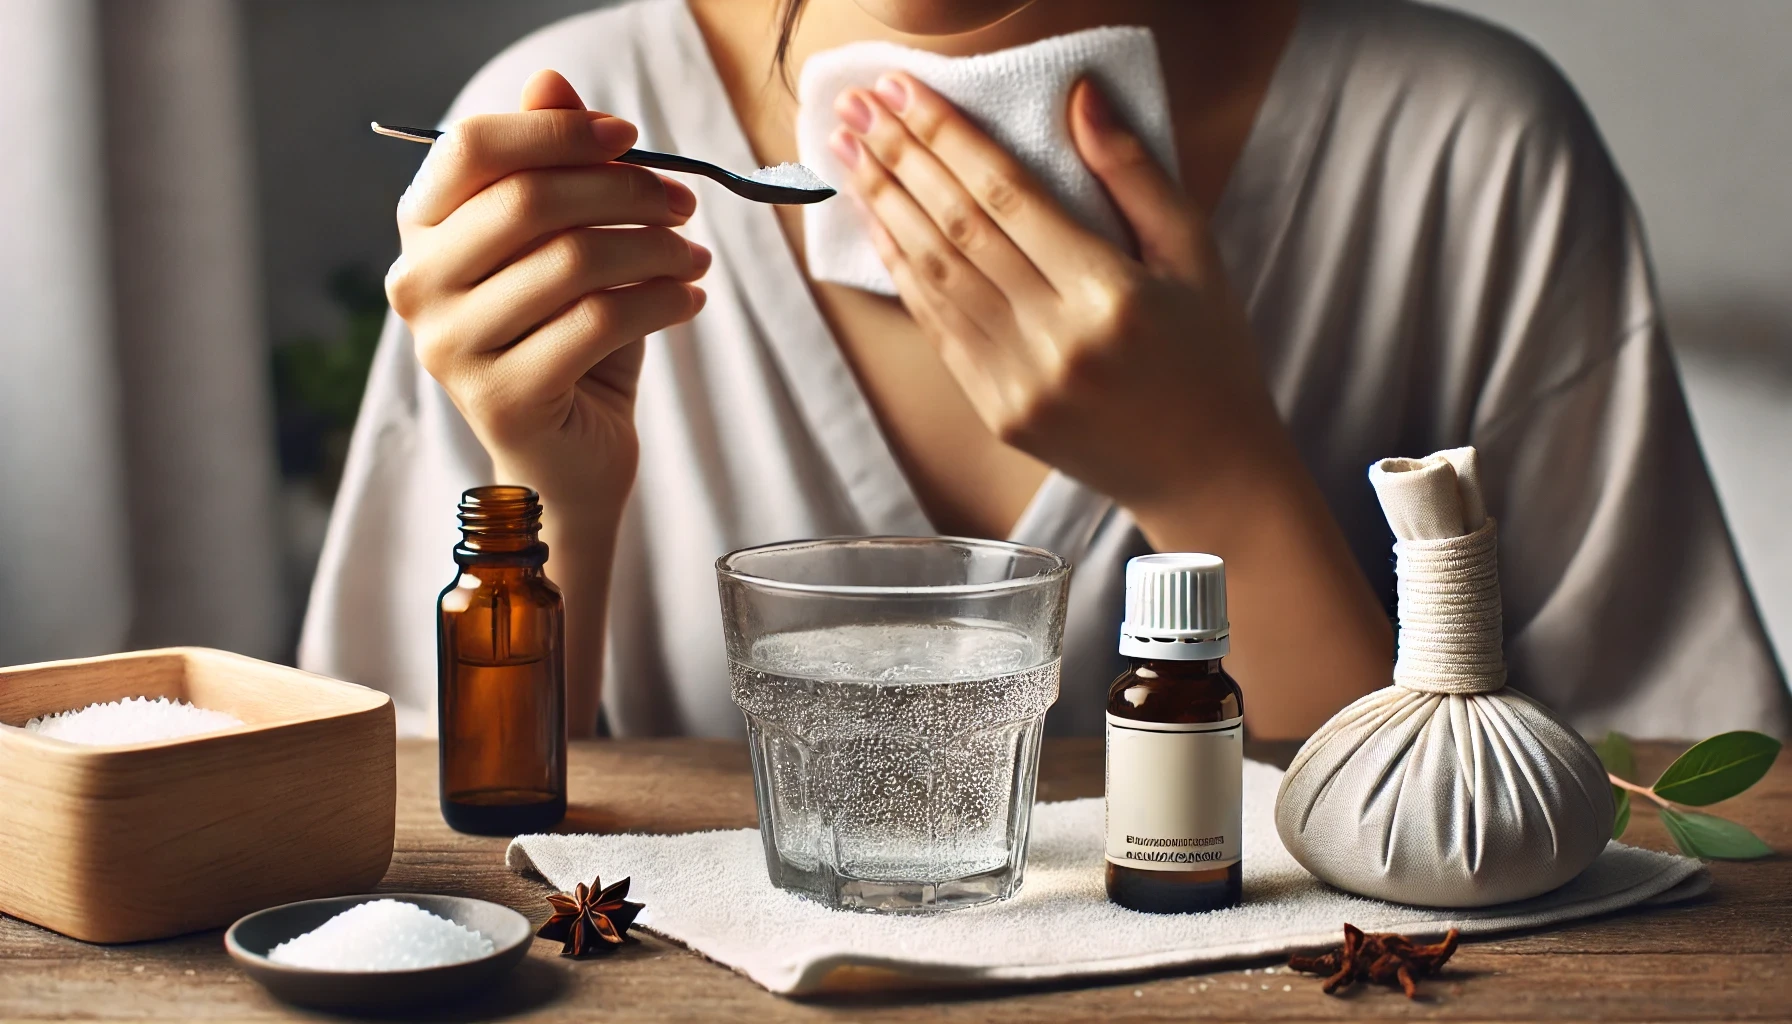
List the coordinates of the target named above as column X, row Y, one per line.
column 895, row 689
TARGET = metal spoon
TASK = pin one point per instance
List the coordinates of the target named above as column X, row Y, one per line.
column 746, row 188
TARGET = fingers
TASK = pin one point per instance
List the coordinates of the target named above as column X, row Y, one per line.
column 572, row 264
column 1012, row 199
column 555, row 130
column 942, row 320
column 935, row 189
column 477, row 151
column 989, row 371
column 915, row 243
column 549, row 90
column 1165, row 223
column 550, row 361
column 962, row 346
column 513, row 214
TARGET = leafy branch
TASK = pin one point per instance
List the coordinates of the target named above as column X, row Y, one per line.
column 1713, row 770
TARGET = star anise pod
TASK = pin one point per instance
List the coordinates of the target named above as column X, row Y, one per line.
column 1380, row 957
column 591, row 918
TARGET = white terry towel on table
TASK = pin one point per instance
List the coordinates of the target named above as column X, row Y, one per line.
column 710, row 891
column 1018, row 96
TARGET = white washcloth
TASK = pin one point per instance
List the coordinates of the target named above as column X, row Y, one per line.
column 710, row 891
column 1018, row 96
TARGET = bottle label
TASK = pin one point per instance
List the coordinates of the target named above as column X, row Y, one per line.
column 1174, row 794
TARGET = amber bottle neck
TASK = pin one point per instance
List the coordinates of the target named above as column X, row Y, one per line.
column 1169, row 669
column 500, row 526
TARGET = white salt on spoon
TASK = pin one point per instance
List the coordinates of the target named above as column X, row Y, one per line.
column 132, row 720
column 789, row 176
column 383, row 935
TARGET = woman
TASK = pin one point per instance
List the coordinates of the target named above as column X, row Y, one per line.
column 1396, row 232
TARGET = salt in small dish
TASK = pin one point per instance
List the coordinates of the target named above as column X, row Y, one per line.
column 250, row 939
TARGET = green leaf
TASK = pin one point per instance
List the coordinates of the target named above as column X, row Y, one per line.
column 1615, row 753
column 1718, row 768
column 1712, row 837
column 1621, row 821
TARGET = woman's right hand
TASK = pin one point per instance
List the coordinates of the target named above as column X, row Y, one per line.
column 532, row 268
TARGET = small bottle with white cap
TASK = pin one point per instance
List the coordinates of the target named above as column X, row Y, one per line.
column 1175, row 743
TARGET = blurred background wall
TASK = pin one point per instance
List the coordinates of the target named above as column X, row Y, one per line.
column 1695, row 101
column 1691, row 98
column 138, row 500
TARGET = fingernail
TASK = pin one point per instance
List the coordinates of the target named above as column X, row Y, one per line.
column 845, row 146
column 853, row 111
column 680, row 199
column 894, row 93
column 1096, row 109
column 700, row 258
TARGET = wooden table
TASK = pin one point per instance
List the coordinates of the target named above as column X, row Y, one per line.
column 1727, row 955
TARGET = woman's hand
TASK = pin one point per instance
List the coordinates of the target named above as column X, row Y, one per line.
column 532, row 268
column 1109, row 367
column 1135, row 375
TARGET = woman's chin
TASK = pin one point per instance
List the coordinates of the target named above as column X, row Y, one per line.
column 940, row 17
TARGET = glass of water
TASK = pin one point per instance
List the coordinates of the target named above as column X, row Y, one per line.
column 895, row 690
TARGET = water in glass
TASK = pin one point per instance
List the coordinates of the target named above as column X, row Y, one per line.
column 896, row 762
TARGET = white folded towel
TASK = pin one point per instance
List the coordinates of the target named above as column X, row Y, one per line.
column 1018, row 96
column 710, row 891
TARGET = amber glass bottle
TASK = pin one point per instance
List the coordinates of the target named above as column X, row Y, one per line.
column 1175, row 744
column 501, row 672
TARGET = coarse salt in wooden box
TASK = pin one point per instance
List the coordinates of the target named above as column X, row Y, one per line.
column 122, row 843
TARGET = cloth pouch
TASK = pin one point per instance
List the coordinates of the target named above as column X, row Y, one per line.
column 710, row 891
column 1445, row 789
column 1017, row 95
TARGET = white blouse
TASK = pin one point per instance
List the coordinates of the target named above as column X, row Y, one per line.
column 1435, row 250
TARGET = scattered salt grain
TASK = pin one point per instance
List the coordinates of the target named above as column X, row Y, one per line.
column 132, row 720
column 383, row 935
column 789, row 176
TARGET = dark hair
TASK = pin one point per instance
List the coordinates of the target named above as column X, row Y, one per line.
column 789, row 13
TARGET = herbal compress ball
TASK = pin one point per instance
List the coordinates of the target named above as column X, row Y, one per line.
column 1445, row 789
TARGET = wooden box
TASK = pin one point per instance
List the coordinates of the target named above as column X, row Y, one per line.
column 117, row 844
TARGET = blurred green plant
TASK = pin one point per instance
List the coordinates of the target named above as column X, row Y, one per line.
column 1713, row 770
column 318, row 381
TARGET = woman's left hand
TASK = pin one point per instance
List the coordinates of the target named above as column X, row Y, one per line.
column 1109, row 367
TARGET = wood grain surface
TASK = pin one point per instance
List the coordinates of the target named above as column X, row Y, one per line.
column 1727, row 955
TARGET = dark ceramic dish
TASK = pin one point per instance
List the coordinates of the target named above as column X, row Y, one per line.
column 250, row 939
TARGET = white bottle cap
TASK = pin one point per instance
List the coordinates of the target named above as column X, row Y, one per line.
column 1175, row 608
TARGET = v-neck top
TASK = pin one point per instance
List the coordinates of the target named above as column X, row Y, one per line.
column 1433, row 246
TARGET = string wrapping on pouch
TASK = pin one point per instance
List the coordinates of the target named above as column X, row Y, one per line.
column 1451, row 630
